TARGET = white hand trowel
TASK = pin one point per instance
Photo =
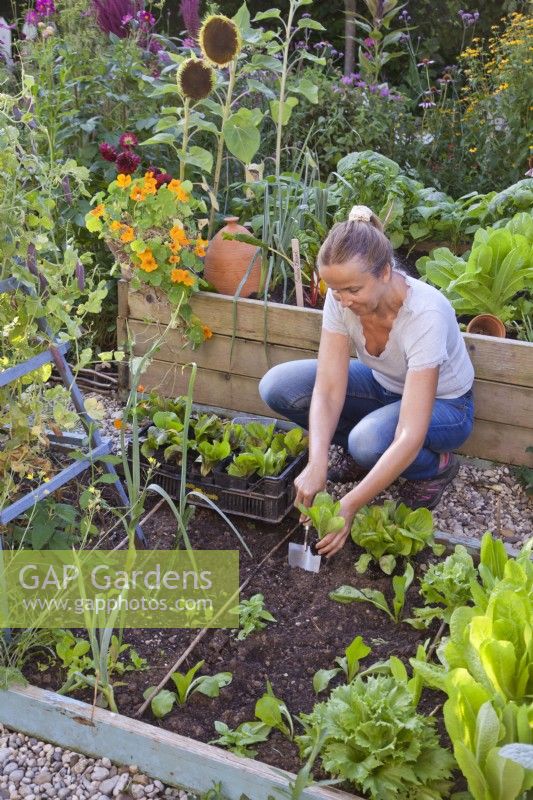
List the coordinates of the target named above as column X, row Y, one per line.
column 300, row 555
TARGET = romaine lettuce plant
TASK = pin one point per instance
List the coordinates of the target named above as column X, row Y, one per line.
column 212, row 453
column 324, row 514
column 257, row 461
column 375, row 739
column 389, row 531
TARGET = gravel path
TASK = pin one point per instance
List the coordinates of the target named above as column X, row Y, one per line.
column 485, row 496
column 30, row 769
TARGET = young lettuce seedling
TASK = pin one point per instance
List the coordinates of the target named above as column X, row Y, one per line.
column 400, row 585
column 253, row 616
column 240, row 739
column 324, row 514
column 349, row 664
column 186, row 685
column 274, row 712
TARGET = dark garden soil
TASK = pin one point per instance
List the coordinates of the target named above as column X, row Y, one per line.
column 310, row 631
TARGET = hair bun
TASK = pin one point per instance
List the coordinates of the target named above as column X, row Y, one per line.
column 360, row 214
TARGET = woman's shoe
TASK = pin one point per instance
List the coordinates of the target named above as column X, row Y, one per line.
column 427, row 493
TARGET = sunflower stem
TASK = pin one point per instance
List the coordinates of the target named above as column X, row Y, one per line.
column 283, row 83
column 220, row 150
column 185, row 140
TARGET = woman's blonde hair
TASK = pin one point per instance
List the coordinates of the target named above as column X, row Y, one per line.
column 361, row 236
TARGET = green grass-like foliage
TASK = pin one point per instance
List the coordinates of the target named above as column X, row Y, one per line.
column 376, row 740
column 389, row 531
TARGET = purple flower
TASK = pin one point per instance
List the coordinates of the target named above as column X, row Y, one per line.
column 384, row 91
column 45, row 7
column 108, row 152
column 347, row 80
column 127, row 162
column 110, row 15
column 426, row 62
column 128, row 140
column 369, row 42
column 426, row 104
column 468, row 19
column 190, row 13
column 404, row 16
column 126, row 19
column 188, row 43
column 32, row 18
column 80, row 276
column 146, row 19
column 307, row 14
column 163, row 56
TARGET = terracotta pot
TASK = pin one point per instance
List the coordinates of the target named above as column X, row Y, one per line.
column 488, row 325
column 226, row 261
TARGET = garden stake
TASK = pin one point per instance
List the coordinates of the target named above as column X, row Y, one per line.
column 202, row 633
column 301, row 555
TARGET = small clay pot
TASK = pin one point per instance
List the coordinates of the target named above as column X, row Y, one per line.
column 487, row 325
column 227, row 261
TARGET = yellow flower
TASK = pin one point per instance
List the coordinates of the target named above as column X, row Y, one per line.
column 123, row 180
column 148, row 262
column 116, row 225
column 175, row 248
column 174, row 259
column 98, row 211
column 199, row 249
column 175, row 187
column 138, row 194
column 182, row 276
column 472, row 149
column 178, row 236
column 128, row 235
column 150, row 183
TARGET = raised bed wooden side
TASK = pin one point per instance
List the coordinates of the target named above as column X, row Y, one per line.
column 169, row 757
column 231, row 364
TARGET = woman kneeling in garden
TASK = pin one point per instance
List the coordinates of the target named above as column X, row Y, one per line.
column 404, row 404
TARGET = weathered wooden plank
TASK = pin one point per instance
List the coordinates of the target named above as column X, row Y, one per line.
column 502, row 360
column 169, row 757
column 502, row 402
column 287, row 325
column 497, row 442
column 234, row 392
column 247, row 357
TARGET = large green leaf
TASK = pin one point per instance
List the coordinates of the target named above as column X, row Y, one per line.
column 199, row 157
column 504, row 777
column 241, row 134
column 288, row 105
column 499, row 661
column 307, row 87
column 487, row 732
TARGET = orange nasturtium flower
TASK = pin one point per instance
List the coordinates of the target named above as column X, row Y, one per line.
column 98, row 211
column 117, row 423
column 123, row 180
column 150, row 183
column 116, row 225
column 207, row 332
column 138, row 194
column 182, row 276
column 175, row 187
column 128, row 234
column 201, row 244
column 174, row 260
column 148, row 262
column 178, row 236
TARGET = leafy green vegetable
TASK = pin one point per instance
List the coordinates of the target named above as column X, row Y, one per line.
column 447, row 583
column 324, row 514
column 389, row 531
column 258, row 462
column 400, row 585
column 348, row 663
column 274, row 712
column 212, row 453
column 186, row 685
column 375, row 739
column 258, row 435
column 253, row 616
column 240, row 739
column 499, row 266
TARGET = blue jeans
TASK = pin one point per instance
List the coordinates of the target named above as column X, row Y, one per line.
column 369, row 418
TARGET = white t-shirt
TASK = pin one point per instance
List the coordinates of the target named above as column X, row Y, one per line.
column 424, row 334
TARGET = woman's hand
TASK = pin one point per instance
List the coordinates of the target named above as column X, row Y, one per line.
column 334, row 542
column 309, row 482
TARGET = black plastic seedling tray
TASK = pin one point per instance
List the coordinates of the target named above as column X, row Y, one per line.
column 268, row 499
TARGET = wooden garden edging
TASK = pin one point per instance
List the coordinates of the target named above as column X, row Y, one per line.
column 228, row 378
column 168, row 757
